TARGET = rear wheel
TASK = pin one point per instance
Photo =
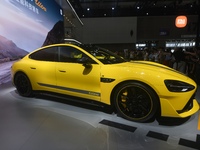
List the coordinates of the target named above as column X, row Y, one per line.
column 23, row 85
column 135, row 101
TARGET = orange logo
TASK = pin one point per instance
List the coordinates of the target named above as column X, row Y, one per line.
column 181, row 21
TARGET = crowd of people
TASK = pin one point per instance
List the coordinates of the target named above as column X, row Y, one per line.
column 184, row 60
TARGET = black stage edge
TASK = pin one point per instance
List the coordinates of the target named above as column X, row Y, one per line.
column 191, row 144
column 157, row 135
column 118, row 125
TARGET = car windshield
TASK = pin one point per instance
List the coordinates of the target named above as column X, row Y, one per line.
column 103, row 55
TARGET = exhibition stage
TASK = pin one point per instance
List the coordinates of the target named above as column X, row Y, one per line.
column 45, row 123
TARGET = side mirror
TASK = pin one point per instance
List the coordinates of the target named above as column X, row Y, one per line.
column 86, row 62
column 87, row 65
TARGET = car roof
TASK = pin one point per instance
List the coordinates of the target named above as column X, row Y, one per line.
column 72, row 41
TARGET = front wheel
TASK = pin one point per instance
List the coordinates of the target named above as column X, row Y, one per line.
column 136, row 101
column 23, row 85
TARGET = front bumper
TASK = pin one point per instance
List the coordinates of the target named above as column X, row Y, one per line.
column 167, row 110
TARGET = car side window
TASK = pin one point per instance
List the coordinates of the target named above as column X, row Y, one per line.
column 48, row 54
column 72, row 55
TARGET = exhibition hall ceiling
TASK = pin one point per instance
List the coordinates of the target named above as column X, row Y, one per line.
column 123, row 8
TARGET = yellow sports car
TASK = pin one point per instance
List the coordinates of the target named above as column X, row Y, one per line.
column 137, row 90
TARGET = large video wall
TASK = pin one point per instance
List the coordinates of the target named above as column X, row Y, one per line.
column 26, row 25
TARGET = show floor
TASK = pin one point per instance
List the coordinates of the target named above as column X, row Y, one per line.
column 41, row 123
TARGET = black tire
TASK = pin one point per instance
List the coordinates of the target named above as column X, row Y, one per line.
column 23, row 85
column 135, row 101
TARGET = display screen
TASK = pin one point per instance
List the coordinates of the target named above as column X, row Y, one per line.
column 27, row 22
column 26, row 25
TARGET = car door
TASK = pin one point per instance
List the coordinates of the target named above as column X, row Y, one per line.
column 76, row 77
column 42, row 67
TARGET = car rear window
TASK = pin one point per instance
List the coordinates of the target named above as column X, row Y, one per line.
column 48, row 54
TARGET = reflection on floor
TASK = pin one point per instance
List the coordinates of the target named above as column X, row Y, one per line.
column 45, row 124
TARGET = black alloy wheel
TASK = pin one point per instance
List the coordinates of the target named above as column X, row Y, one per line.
column 136, row 101
column 23, row 85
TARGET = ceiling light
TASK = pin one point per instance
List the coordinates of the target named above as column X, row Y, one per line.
column 113, row 8
column 138, row 7
column 88, row 9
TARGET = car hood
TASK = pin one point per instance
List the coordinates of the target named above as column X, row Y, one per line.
column 153, row 65
column 154, row 68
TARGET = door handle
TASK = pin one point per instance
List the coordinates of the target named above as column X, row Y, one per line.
column 32, row 67
column 63, row 71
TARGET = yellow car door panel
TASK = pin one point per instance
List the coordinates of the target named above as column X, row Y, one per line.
column 75, row 79
column 77, row 74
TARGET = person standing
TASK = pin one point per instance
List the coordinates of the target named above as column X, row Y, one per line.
column 179, row 63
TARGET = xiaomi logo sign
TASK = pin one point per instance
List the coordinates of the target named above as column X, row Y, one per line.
column 181, row 21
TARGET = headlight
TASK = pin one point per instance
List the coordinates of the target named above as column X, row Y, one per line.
column 178, row 86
